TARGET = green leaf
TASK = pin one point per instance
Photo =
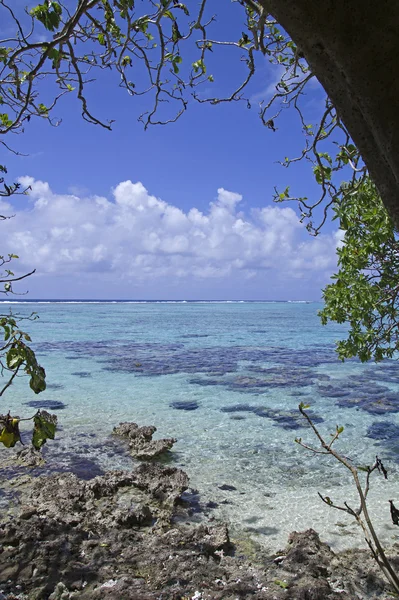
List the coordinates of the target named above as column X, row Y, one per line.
column 141, row 24
column 49, row 14
column 244, row 40
column 199, row 65
column 4, row 54
column 9, row 434
column 45, row 426
column 126, row 61
column 5, row 120
column 176, row 35
column 43, row 110
column 37, row 381
column 176, row 60
column 14, row 357
column 304, row 406
column 56, row 56
column 182, row 7
column 169, row 15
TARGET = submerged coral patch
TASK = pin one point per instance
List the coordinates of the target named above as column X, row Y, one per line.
column 205, row 381
column 260, row 379
column 82, row 374
column 387, row 372
column 363, row 393
column 288, row 376
column 383, row 430
column 286, row 419
column 195, row 335
column 387, row 436
column 158, row 359
column 342, row 388
column 238, row 408
column 333, row 391
column 185, row 405
column 374, row 405
column 49, row 404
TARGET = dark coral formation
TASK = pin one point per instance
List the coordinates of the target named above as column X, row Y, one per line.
column 47, row 404
column 287, row 419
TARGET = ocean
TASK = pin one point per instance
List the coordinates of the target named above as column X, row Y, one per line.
column 225, row 379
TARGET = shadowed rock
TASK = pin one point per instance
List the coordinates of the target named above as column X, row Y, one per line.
column 29, row 457
column 126, row 535
column 141, row 444
column 165, row 484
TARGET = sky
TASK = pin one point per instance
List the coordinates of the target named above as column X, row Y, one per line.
column 182, row 211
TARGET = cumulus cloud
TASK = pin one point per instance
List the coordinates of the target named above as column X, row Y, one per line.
column 136, row 236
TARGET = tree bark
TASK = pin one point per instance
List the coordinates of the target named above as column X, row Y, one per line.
column 352, row 46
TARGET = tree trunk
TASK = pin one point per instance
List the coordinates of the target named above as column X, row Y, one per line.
column 352, row 46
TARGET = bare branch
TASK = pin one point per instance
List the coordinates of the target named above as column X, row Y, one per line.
column 366, row 524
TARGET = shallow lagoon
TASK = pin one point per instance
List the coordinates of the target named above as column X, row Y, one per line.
column 226, row 380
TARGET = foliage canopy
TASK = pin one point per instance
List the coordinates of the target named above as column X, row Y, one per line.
column 365, row 291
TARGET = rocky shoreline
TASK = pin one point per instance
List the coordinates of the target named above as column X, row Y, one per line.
column 130, row 535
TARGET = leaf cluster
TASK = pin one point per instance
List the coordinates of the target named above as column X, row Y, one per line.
column 365, row 290
column 17, row 357
column 44, row 428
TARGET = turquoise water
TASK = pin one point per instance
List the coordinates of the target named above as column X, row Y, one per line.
column 225, row 379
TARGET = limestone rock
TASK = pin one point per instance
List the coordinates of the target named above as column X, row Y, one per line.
column 141, row 444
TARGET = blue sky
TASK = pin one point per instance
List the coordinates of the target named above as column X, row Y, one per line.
column 197, row 219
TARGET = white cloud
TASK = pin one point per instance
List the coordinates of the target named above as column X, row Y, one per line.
column 138, row 237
